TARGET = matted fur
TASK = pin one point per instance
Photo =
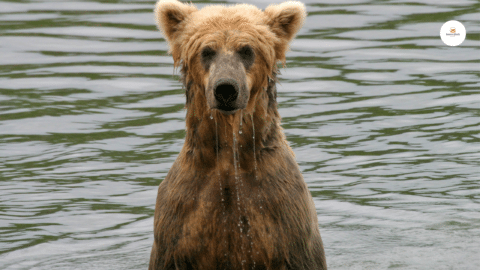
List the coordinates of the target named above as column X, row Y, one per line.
column 233, row 200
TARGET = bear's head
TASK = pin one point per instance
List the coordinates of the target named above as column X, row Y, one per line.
column 228, row 53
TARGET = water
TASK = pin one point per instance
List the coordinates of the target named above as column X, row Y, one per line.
column 254, row 152
column 383, row 118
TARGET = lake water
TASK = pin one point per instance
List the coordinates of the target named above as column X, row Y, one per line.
column 383, row 117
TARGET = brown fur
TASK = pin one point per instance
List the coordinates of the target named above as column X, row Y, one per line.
column 215, row 210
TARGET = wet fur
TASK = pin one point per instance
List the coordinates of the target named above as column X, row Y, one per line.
column 267, row 219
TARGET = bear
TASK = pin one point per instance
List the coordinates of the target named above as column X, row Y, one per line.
column 234, row 198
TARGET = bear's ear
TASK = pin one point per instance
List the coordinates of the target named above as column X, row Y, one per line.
column 284, row 20
column 169, row 15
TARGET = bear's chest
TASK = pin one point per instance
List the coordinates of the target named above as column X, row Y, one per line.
column 215, row 237
column 227, row 224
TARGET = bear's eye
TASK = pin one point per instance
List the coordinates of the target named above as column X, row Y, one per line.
column 208, row 53
column 247, row 56
column 246, row 52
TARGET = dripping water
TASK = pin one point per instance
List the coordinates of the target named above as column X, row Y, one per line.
column 235, row 164
column 256, row 179
column 218, row 164
column 236, row 186
column 254, row 153
column 241, row 121
column 222, row 194
column 239, row 187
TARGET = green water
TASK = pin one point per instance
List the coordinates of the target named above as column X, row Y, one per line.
column 383, row 118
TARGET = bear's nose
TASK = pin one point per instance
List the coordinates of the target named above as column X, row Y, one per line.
column 226, row 93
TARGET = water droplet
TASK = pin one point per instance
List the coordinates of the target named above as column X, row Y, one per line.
column 211, row 116
column 241, row 118
column 240, row 131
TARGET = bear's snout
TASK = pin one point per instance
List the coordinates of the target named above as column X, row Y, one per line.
column 227, row 89
column 226, row 94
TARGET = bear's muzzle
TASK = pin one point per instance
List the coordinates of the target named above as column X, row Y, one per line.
column 226, row 94
column 227, row 88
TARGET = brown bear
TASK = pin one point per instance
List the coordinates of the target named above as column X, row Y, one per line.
column 235, row 197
